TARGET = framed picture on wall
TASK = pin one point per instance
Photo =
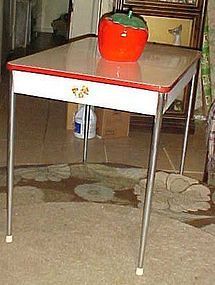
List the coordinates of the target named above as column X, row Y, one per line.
column 174, row 22
column 174, row 31
column 167, row 30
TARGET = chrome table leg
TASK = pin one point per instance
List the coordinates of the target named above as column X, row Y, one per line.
column 86, row 131
column 184, row 148
column 150, row 181
column 10, row 161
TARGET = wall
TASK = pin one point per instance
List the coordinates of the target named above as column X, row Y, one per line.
column 37, row 13
column 81, row 21
column 86, row 15
column 107, row 6
column 52, row 9
column 46, row 11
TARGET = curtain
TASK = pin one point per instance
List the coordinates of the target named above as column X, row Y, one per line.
column 211, row 25
column 205, row 72
column 206, row 90
column 208, row 58
column 210, row 166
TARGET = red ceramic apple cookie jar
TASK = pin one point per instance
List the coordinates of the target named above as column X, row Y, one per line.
column 122, row 37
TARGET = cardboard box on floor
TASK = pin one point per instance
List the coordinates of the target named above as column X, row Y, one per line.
column 111, row 123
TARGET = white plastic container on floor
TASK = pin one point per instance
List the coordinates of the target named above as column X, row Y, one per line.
column 79, row 123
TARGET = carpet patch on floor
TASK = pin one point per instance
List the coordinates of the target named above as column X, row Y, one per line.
column 175, row 196
column 94, row 243
column 80, row 224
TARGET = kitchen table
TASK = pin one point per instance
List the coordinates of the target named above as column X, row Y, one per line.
column 76, row 72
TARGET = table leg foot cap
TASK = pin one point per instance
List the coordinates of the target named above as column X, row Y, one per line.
column 139, row 271
column 9, row 239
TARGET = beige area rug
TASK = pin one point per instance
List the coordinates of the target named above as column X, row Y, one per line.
column 80, row 224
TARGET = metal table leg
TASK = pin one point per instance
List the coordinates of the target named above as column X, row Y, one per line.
column 184, row 148
column 10, row 173
column 86, row 131
column 150, row 181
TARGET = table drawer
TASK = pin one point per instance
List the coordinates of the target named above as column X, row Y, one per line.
column 86, row 92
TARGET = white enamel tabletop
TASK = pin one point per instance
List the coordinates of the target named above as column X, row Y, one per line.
column 159, row 68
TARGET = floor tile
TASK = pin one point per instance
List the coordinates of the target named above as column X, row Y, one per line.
column 134, row 152
column 196, row 140
column 28, row 152
column 61, row 153
column 3, row 152
column 72, row 152
column 194, row 159
column 195, row 175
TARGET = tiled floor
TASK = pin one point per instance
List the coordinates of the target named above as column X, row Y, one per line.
column 42, row 138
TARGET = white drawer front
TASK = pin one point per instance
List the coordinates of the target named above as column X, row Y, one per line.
column 99, row 94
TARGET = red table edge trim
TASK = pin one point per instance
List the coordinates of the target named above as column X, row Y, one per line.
column 38, row 70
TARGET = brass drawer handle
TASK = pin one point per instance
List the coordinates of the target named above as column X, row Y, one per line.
column 80, row 93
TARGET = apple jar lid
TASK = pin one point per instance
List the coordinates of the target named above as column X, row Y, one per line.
column 129, row 20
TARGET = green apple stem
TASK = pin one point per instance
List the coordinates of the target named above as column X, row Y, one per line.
column 130, row 14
